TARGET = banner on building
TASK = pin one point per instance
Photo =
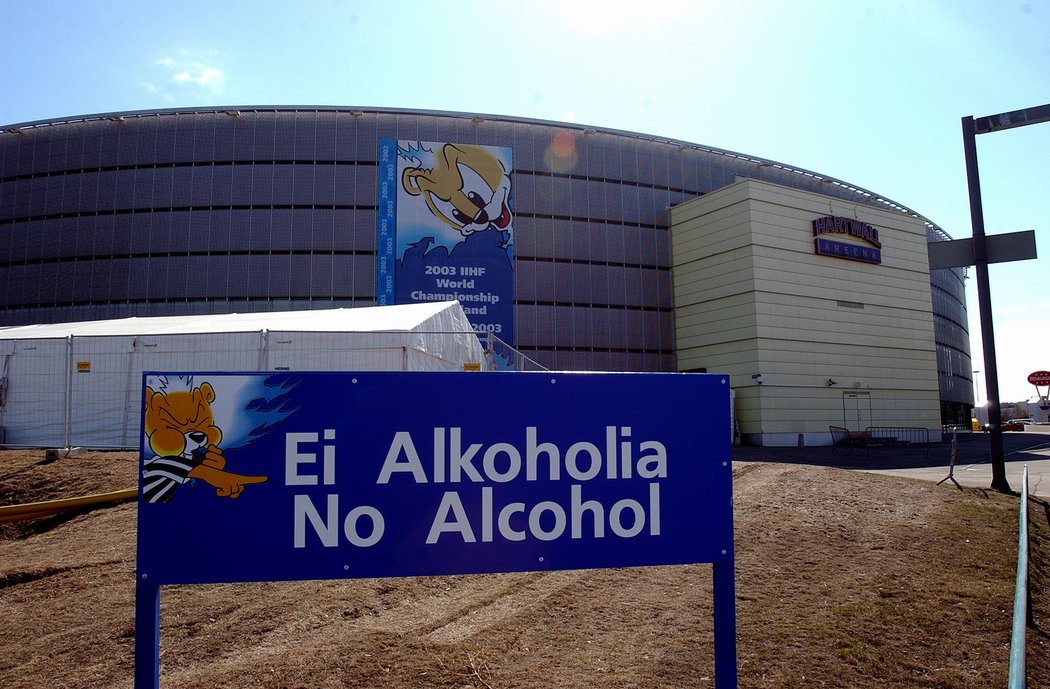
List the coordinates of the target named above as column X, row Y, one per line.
column 445, row 229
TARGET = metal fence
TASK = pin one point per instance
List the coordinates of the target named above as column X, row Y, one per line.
column 497, row 350
column 86, row 391
column 881, row 437
column 897, row 436
column 1017, row 678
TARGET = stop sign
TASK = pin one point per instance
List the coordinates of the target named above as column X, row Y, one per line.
column 1039, row 378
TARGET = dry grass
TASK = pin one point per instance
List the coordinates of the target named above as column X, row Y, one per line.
column 843, row 580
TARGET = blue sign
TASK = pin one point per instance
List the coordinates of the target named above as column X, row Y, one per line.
column 829, row 247
column 261, row 477
column 446, row 230
column 833, row 224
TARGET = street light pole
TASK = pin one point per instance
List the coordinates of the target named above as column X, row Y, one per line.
column 984, row 301
column 972, row 127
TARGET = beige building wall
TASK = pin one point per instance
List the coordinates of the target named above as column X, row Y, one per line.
column 752, row 297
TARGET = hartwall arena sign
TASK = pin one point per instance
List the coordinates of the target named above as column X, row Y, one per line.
column 261, row 477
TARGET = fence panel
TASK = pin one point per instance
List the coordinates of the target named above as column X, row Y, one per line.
column 35, row 405
column 206, row 352
column 100, row 391
column 86, row 390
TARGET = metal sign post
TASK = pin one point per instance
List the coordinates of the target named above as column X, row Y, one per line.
column 466, row 474
column 147, row 635
column 724, row 590
column 1041, row 379
column 951, row 460
column 971, row 127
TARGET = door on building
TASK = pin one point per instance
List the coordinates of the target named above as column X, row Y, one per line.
column 856, row 410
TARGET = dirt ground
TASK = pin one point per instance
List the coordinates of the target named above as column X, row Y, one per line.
column 843, row 579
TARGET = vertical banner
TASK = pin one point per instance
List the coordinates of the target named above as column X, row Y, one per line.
column 445, row 229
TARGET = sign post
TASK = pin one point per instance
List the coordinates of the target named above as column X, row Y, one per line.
column 459, row 474
column 971, row 127
column 147, row 635
column 951, row 460
column 724, row 590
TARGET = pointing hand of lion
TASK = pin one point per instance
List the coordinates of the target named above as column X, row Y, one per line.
column 225, row 483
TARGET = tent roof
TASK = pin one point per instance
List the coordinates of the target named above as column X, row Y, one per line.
column 405, row 317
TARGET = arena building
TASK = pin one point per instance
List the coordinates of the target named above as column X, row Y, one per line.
column 582, row 248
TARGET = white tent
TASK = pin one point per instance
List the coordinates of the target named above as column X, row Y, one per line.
column 80, row 384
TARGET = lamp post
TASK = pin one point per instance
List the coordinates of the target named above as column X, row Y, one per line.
column 977, row 389
column 972, row 127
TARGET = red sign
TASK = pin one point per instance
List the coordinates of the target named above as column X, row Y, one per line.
column 1039, row 378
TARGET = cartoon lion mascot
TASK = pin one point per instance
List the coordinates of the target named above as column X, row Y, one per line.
column 467, row 190
column 180, row 428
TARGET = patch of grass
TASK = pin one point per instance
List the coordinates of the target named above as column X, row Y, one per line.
column 854, row 609
column 856, row 650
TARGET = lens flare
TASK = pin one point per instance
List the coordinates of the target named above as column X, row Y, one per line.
column 561, row 155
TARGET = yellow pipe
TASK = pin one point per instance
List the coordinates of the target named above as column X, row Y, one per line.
column 35, row 510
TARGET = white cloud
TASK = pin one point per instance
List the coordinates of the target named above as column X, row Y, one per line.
column 185, row 70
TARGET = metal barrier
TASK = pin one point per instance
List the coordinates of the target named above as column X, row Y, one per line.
column 1018, row 670
column 898, row 436
column 496, row 348
column 85, row 390
column 843, row 437
column 881, row 436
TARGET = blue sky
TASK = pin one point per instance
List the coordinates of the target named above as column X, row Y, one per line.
column 869, row 92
